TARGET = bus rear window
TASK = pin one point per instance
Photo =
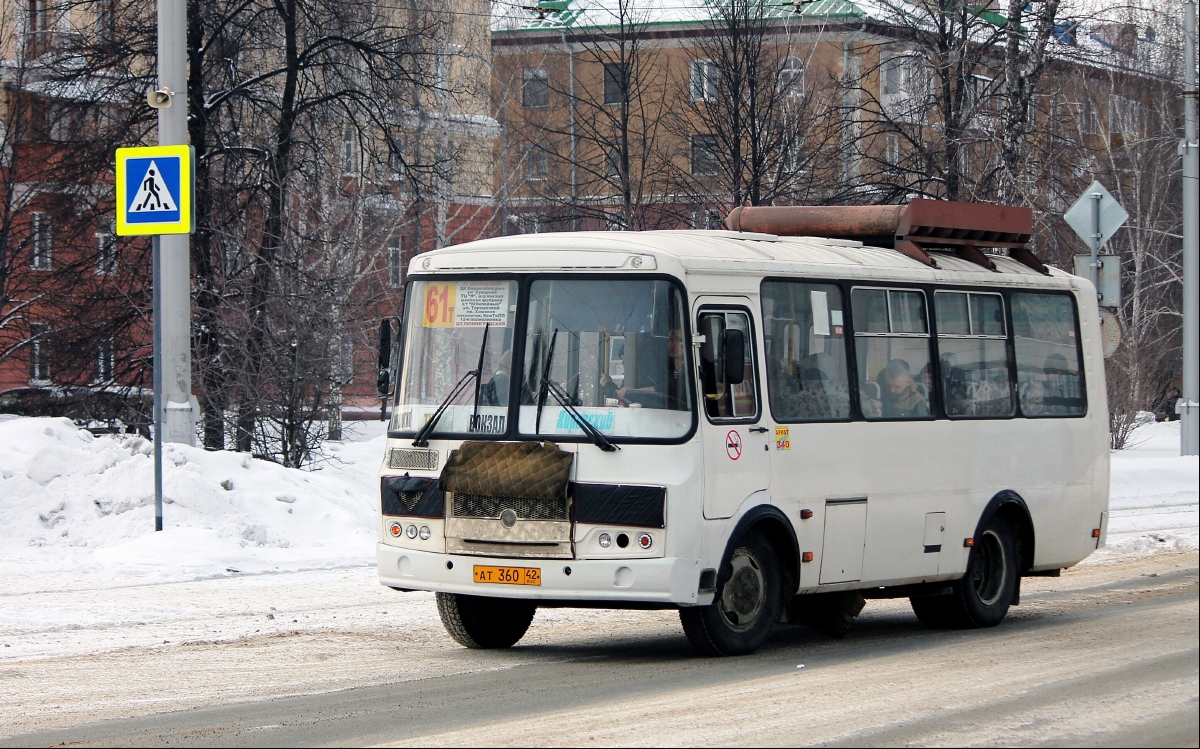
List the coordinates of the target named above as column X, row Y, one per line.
column 1049, row 375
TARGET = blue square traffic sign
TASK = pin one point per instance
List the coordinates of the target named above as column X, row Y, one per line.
column 154, row 190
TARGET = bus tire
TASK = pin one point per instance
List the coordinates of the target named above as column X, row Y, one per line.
column 982, row 597
column 745, row 606
column 485, row 623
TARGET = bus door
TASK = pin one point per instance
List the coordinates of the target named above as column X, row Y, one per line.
column 736, row 450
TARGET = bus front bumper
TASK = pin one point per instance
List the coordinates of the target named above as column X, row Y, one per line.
column 667, row 580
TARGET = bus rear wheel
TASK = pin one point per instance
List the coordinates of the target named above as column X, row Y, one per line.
column 982, row 597
column 485, row 623
column 746, row 604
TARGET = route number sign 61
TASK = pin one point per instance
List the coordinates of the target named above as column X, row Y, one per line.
column 440, row 301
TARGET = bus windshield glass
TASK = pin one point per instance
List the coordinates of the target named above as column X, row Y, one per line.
column 450, row 327
column 611, row 349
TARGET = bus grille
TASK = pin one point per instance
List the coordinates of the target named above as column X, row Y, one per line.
column 483, row 506
column 409, row 500
column 424, row 460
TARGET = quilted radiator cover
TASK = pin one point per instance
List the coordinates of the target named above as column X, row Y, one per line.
column 508, row 469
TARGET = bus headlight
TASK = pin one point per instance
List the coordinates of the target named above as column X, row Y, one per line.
column 411, row 532
column 424, row 533
column 605, row 540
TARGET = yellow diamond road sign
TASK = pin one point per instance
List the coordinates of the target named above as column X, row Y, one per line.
column 155, row 190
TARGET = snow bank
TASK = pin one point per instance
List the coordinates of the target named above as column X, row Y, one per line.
column 78, row 506
column 1155, row 494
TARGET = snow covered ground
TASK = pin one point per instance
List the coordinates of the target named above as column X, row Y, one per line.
column 1154, row 497
column 78, row 510
column 252, row 548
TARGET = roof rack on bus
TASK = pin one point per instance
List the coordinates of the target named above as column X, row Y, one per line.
column 912, row 229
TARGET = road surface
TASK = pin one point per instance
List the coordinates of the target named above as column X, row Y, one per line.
column 1107, row 654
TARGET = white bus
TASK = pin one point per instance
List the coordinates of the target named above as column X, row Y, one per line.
column 750, row 427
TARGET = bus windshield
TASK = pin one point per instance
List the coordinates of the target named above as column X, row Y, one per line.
column 612, row 349
column 451, row 326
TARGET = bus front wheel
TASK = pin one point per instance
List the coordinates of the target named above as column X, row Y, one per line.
column 746, row 604
column 982, row 597
column 485, row 623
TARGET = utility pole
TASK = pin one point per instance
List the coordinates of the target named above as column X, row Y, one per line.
column 179, row 407
column 1189, row 406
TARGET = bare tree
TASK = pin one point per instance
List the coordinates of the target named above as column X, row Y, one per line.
column 759, row 123
column 71, row 294
column 595, row 150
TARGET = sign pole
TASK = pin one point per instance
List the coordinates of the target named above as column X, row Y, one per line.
column 179, row 406
column 1097, row 240
column 156, row 275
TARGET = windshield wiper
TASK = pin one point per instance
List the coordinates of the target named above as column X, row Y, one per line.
column 422, row 437
column 564, row 400
column 479, row 379
column 545, row 384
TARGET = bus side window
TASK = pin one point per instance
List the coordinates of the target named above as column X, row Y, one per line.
column 807, row 377
column 973, row 354
column 891, row 331
column 1049, row 375
column 722, row 399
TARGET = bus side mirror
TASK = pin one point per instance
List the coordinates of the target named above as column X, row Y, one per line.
column 735, row 356
column 385, row 357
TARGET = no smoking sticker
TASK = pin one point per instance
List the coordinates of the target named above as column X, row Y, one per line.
column 733, row 445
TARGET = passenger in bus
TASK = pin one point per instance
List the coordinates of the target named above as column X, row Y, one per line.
column 899, row 392
column 664, row 388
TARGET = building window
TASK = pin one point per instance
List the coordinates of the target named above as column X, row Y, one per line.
column 705, row 80
column 535, row 90
column 615, row 222
column 39, row 16
column 347, row 154
column 791, row 77
column 395, row 262
column 1124, row 116
column 707, row 218
column 612, row 160
column 891, row 150
column 105, row 20
column 535, row 164
column 616, row 83
column 530, row 223
column 39, row 349
column 1089, row 121
column 704, row 155
column 105, row 357
column 40, row 241
column 395, row 158
column 106, row 254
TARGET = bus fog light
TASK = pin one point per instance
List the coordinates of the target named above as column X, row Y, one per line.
column 645, row 540
column 605, row 540
column 425, row 533
column 411, row 532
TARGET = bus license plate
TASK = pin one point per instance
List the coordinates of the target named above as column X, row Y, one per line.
column 508, row 575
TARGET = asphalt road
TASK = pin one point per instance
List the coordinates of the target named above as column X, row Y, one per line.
column 1106, row 655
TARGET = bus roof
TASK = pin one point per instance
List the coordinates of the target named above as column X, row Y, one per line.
column 711, row 252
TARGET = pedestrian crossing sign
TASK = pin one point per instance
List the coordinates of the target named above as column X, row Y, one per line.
column 154, row 190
